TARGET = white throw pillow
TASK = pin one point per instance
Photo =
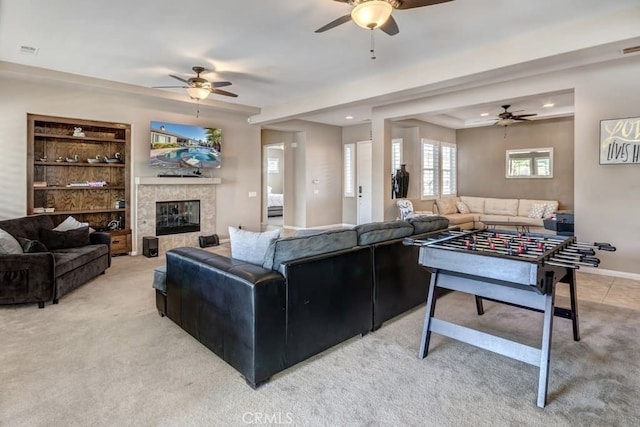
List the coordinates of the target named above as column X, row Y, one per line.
column 8, row 244
column 251, row 246
column 72, row 224
column 463, row 208
column 549, row 210
column 537, row 210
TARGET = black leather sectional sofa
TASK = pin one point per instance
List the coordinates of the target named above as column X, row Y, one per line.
column 312, row 292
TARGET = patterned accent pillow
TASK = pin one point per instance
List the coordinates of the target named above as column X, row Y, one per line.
column 463, row 208
column 549, row 210
column 251, row 246
column 537, row 210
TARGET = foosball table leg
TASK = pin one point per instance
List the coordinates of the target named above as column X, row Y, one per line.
column 479, row 306
column 431, row 307
column 545, row 350
column 573, row 298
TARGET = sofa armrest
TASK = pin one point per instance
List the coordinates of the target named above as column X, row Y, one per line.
column 101, row 238
column 27, row 278
column 236, row 309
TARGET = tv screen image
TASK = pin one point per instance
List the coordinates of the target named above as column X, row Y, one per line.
column 184, row 146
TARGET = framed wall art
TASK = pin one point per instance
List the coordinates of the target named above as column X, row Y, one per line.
column 620, row 141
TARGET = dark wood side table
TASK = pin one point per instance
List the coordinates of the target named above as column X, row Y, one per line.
column 120, row 242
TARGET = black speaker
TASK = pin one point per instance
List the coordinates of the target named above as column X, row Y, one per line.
column 150, row 247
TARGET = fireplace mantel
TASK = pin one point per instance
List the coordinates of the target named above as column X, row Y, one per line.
column 154, row 180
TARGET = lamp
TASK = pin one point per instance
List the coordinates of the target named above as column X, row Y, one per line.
column 371, row 14
column 505, row 122
column 198, row 92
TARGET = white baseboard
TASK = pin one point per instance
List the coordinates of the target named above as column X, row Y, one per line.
column 612, row 273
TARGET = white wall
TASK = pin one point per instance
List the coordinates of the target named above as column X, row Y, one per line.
column 241, row 167
column 606, row 197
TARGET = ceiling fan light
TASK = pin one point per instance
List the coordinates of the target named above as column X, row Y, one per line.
column 198, row 93
column 505, row 122
column 371, row 14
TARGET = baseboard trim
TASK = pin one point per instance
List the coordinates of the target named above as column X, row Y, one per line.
column 612, row 273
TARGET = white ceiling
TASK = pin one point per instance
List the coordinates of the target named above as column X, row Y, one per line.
column 269, row 51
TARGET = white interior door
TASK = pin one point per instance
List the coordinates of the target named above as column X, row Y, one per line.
column 363, row 190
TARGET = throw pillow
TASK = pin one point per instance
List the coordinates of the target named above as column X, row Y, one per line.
column 32, row 246
column 53, row 239
column 537, row 210
column 549, row 210
column 8, row 244
column 251, row 246
column 463, row 208
column 72, row 224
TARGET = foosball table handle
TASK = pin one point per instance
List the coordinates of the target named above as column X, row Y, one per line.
column 605, row 246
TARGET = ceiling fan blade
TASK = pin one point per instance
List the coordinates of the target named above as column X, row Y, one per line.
column 169, row 87
column 519, row 116
column 179, row 78
column 334, row 23
column 223, row 92
column 410, row 4
column 390, row 27
column 220, row 84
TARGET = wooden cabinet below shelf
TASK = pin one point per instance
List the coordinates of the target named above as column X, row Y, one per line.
column 120, row 242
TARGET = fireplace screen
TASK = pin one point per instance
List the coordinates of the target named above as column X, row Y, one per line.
column 175, row 217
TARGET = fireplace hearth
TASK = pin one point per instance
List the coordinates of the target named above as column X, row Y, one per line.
column 177, row 216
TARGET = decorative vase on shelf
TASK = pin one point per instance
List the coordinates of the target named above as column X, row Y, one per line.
column 400, row 183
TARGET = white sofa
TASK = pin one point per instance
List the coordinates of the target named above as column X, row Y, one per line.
column 469, row 212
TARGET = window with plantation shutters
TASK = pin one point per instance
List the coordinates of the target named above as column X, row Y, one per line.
column 439, row 169
column 396, row 154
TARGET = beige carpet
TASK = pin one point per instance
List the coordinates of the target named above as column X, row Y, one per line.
column 103, row 356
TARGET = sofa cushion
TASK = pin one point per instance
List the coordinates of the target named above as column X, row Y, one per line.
column 251, row 246
column 8, row 244
column 380, row 231
column 500, row 218
column 501, row 207
column 290, row 248
column 32, row 246
column 160, row 278
column 28, row 227
column 65, row 239
column 69, row 259
column 458, row 218
column 447, row 205
column 475, row 204
column 533, row 222
column 425, row 224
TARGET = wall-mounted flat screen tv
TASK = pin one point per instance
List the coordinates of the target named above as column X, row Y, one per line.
column 184, row 146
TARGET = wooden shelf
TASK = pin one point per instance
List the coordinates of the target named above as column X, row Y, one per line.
column 51, row 138
column 78, row 138
column 78, row 212
column 106, row 187
column 83, row 164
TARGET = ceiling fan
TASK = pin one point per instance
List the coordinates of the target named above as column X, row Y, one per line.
column 199, row 88
column 372, row 14
column 507, row 117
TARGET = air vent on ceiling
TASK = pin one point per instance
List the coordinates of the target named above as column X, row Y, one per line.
column 628, row 50
column 28, row 50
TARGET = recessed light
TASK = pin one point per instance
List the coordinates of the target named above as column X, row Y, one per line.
column 484, row 114
column 549, row 105
column 349, row 117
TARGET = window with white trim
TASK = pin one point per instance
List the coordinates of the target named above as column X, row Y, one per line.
column 396, row 154
column 349, row 158
column 439, row 169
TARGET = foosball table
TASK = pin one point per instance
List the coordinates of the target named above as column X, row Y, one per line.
column 520, row 269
